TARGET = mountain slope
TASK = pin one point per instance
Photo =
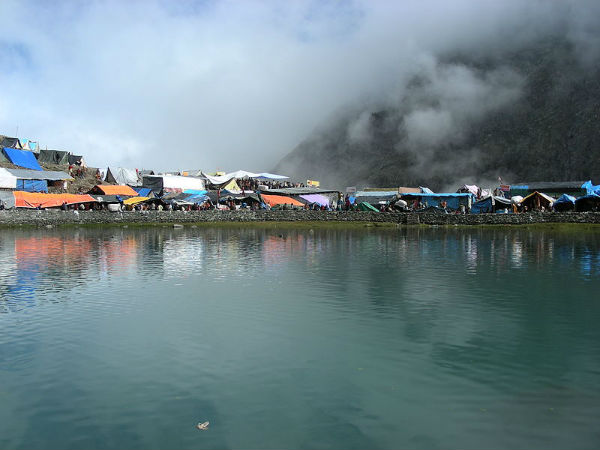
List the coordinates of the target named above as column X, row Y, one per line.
column 524, row 114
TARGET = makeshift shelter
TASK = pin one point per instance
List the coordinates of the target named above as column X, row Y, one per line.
column 172, row 183
column 491, row 204
column 121, row 175
column 537, row 201
column 590, row 188
column 9, row 142
column 53, row 157
column 565, row 202
column 232, row 186
column 34, row 200
column 143, row 192
column 76, row 160
column 374, row 197
column 452, row 200
column 111, row 189
column 319, row 199
column 135, row 200
column 22, row 158
column 27, row 144
column 7, row 199
column 590, row 202
column 550, row 188
column 30, row 180
column 366, row 206
column 274, row 200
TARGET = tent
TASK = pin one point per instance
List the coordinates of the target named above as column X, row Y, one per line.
column 22, row 158
column 7, row 199
column 53, row 157
column 490, row 204
column 121, row 175
column 273, row 200
column 536, row 201
column 590, row 202
column 366, row 206
column 142, row 191
column 26, row 144
column 76, row 160
column 110, row 189
column 315, row 198
column 232, row 186
column 9, row 142
column 32, row 200
column 565, row 202
column 172, row 183
column 453, row 200
column 590, row 188
column 135, row 200
column 373, row 197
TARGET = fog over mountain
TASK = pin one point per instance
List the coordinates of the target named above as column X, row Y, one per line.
column 358, row 91
column 522, row 105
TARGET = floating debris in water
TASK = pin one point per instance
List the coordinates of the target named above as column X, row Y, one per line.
column 203, row 426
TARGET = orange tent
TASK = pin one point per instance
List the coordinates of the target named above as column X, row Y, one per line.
column 34, row 199
column 119, row 189
column 273, row 200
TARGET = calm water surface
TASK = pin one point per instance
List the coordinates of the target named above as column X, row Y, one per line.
column 281, row 338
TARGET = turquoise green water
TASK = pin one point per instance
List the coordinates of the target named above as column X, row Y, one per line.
column 325, row 338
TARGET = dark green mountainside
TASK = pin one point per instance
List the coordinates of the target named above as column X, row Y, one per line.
column 526, row 114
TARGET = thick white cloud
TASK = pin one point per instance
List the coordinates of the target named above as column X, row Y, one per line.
column 222, row 85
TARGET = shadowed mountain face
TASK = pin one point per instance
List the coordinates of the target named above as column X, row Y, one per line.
column 527, row 113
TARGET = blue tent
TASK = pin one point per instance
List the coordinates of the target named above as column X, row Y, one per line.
column 22, row 158
column 564, row 203
column 143, row 192
column 453, row 200
column 32, row 185
column 590, row 188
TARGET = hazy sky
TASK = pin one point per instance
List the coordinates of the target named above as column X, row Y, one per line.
column 225, row 85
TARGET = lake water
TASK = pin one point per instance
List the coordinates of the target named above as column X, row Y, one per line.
column 299, row 338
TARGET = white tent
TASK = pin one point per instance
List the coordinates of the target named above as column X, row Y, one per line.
column 217, row 180
column 120, row 175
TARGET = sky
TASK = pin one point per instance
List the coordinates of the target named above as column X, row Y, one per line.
column 227, row 85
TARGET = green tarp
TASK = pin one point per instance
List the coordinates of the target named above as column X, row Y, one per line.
column 53, row 157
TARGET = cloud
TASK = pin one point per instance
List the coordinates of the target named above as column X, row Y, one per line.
column 230, row 84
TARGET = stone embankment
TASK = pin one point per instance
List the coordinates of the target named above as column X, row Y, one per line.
column 58, row 217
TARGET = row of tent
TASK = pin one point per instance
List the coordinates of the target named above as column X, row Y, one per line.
column 30, row 160
column 30, row 180
column 19, row 143
column 134, row 177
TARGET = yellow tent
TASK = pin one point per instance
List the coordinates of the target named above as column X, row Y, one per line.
column 135, row 200
column 232, row 186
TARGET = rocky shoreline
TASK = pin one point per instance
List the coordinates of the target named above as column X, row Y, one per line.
column 11, row 218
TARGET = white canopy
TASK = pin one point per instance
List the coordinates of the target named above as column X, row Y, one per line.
column 242, row 174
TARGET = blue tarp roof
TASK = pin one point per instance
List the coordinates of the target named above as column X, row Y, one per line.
column 143, row 192
column 565, row 198
column 590, row 188
column 22, row 158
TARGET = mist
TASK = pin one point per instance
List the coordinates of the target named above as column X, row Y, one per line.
column 224, row 85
